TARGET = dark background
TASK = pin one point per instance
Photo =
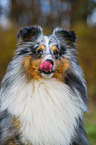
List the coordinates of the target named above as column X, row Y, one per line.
column 77, row 15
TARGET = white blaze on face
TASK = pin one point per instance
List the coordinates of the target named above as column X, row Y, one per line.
column 48, row 54
column 46, row 44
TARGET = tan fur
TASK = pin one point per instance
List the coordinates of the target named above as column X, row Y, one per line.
column 17, row 123
column 21, row 39
column 54, row 48
column 29, row 38
column 42, row 47
column 32, row 67
column 26, row 39
column 61, row 67
column 11, row 142
column 70, row 43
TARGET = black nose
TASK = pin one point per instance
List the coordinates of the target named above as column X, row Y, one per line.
column 51, row 61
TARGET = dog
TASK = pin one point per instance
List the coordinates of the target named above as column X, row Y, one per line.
column 43, row 93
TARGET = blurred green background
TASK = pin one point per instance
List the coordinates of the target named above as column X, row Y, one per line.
column 77, row 15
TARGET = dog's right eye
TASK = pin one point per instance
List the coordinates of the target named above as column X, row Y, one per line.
column 56, row 52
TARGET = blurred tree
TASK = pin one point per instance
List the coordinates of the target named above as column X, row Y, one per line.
column 79, row 11
column 43, row 12
column 50, row 13
column 25, row 12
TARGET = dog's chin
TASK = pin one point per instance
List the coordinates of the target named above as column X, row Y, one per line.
column 47, row 75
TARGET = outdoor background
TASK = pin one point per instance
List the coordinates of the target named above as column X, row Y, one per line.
column 77, row 15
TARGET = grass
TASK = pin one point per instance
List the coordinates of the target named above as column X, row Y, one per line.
column 90, row 126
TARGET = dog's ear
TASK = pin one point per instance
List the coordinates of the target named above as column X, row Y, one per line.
column 29, row 33
column 66, row 34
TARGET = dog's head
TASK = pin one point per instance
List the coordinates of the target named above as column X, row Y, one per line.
column 46, row 56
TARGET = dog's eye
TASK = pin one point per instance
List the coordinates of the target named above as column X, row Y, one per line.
column 55, row 52
column 39, row 52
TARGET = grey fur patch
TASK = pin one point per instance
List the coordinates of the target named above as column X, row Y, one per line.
column 81, row 138
column 7, row 129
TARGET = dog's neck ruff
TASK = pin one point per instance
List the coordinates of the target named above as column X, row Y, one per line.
column 48, row 111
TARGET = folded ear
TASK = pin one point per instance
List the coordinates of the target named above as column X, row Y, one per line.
column 29, row 33
column 66, row 34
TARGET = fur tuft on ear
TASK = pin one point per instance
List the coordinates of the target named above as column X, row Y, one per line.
column 68, row 35
column 29, row 33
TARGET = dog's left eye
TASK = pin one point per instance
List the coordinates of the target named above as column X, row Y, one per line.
column 39, row 52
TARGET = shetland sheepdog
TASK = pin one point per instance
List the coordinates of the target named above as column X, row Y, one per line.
column 43, row 93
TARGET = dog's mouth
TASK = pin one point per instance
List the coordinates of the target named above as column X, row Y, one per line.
column 46, row 67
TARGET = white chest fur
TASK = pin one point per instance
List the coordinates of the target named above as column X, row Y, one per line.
column 48, row 111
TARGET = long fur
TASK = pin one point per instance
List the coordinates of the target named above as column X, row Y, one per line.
column 50, row 111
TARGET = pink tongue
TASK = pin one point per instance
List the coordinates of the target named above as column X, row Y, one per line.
column 46, row 66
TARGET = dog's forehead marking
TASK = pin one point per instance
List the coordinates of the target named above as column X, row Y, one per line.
column 49, row 42
column 46, row 41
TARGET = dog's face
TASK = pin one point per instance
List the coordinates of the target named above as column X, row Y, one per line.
column 45, row 56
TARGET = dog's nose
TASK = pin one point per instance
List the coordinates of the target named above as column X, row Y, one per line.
column 51, row 61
